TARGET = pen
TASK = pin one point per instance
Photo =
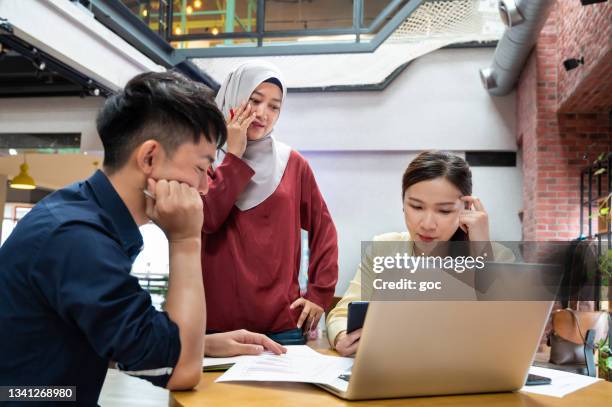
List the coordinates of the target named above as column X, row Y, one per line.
column 148, row 194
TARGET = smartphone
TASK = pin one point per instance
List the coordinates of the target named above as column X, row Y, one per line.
column 356, row 315
column 535, row 380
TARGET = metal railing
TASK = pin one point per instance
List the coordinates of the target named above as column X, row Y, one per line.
column 217, row 28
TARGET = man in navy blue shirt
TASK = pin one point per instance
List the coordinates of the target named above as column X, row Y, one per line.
column 68, row 304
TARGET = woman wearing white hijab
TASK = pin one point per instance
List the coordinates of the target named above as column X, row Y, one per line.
column 262, row 193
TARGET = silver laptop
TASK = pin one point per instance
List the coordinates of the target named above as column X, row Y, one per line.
column 425, row 348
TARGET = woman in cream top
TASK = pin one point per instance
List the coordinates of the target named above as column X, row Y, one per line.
column 438, row 206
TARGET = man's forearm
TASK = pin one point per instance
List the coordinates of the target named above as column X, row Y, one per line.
column 185, row 303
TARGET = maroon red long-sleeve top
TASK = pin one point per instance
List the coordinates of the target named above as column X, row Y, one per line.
column 251, row 259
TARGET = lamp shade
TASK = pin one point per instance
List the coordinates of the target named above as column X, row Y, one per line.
column 23, row 179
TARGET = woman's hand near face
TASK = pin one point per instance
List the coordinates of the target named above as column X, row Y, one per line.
column 474, row 221
column 237, row 126
column 347, row 344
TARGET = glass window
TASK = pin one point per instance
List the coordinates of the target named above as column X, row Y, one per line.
column 149, row 12
column 308, row 15
column 208, row 43
column 213, row 17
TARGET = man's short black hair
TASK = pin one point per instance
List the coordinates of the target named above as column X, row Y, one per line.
column 163, row 106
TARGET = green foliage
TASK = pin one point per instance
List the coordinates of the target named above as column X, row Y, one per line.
column 603, row 208
column 605, row 267
column 604, row 361
column 605, row 262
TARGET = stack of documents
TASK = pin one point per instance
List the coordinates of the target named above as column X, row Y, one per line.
column 299, row 364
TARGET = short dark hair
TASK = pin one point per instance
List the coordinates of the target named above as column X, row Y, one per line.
column 435, row 164
column 163, row 106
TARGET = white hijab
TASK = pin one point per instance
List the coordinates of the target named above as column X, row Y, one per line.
column 266, row 156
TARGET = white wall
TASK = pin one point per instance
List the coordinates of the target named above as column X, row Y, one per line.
column 359, row 144
column 437, row 102
column 363, row 193
column 54, row 115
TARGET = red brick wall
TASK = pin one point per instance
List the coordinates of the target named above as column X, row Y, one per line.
column 585, row 31
column 582, row 137
column 537, row 124
column 556, row 144
column 563, row 118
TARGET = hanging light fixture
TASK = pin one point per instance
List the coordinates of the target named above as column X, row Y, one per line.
column 23, row 180
column 197, row 3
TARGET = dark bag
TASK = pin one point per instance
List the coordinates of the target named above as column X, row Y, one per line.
column 568, row 337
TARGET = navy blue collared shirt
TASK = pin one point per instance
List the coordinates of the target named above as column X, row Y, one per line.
column 68, row 304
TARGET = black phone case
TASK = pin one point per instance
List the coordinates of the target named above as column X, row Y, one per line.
column 535, row 380
column 356, row 315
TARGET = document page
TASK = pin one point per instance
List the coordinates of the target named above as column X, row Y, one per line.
column 562, row 383
column 300, row 364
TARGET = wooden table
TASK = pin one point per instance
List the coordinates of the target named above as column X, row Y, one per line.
column 268, row 394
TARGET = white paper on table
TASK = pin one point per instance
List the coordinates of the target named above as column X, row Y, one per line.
column 211, row 361
column 300, row 364
column 295, row 349
column 562, row 383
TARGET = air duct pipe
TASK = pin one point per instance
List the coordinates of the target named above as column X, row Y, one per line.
column 524, row 20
